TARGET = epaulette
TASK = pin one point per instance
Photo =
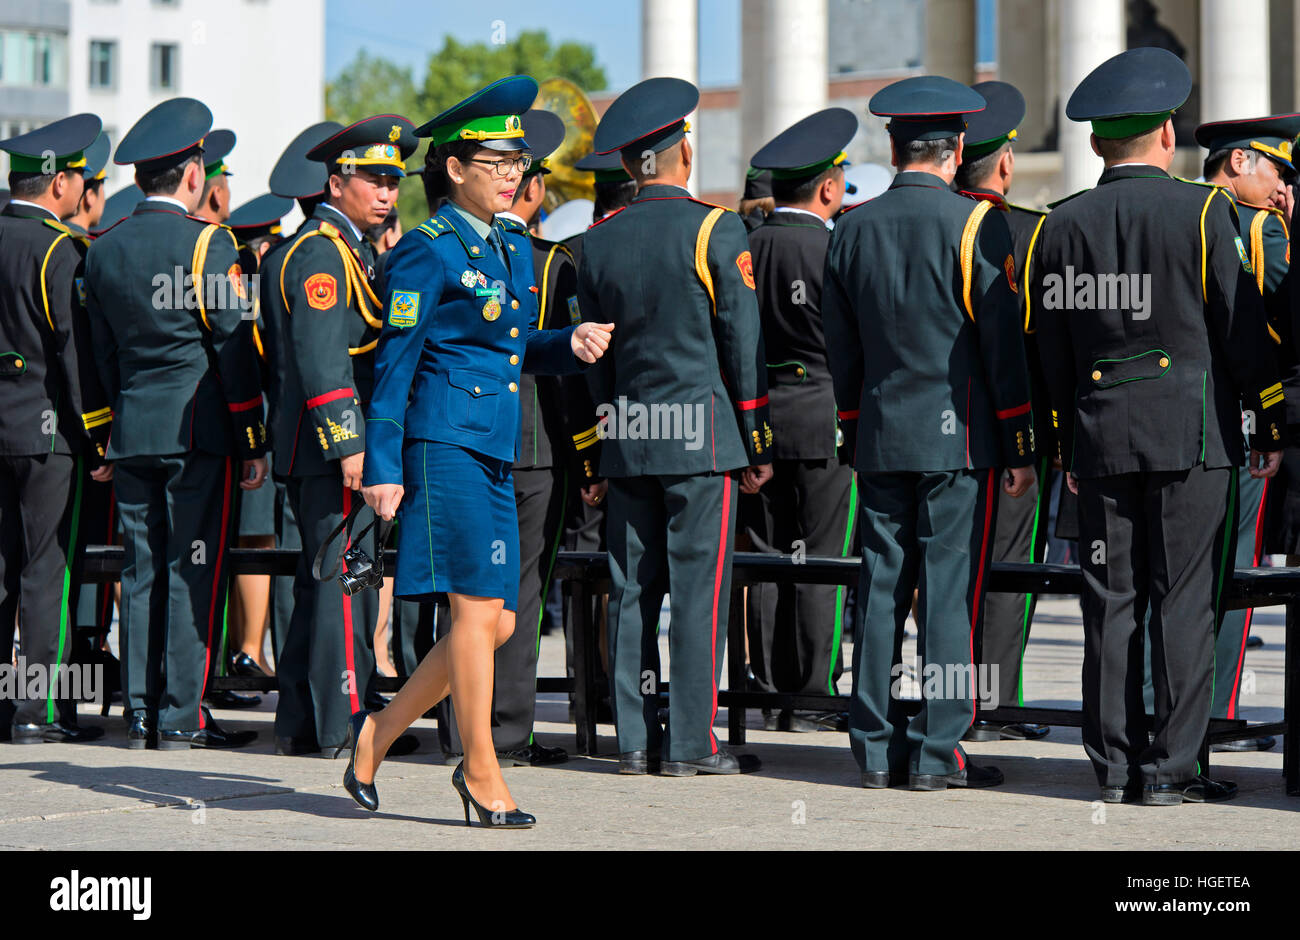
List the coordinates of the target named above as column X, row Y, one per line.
column 203, row 221
column 1032, row 211
column 511, row 225
column 606, row 218
column 711, row 205
column 1061, row 202
column 57, row 226
column 433, row 227
column 1183, row 179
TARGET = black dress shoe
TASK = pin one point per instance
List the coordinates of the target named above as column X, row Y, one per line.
column 1264, row 743
column 883, row 779
column 1197, row 790
column 1129, row 793
column 972, row 776
column 805, row 722
column 142, row 732
column 296, row 747
column 1254, row 642
column 488, row 818
column 532, row 755
column 639, row 762
column 56, row 732
column 365, row 794
column 227, row 699
column 1005, row 731
column 722, row 762
column 211, row 736
column 241, row 664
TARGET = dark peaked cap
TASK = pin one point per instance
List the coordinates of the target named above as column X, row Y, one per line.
column 651, row 115
column 1131, row 93
column 166, row 136
column 926, row 107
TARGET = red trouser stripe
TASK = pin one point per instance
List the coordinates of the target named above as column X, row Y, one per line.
column 717, row 599
column 347, row 621
column 1250, row 611
column 216, row 584
column 979, row 592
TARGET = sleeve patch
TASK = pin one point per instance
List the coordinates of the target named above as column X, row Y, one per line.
column 403, row 308
column 575, row 315
column 1241, row 253
column 322, row 291
column 1010, row 267
column 236, row 275
column 746, row 264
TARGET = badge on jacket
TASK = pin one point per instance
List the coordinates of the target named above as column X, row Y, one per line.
column 322, row 291
column 403, row 308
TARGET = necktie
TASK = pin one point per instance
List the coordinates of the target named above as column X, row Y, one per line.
column 494, row 242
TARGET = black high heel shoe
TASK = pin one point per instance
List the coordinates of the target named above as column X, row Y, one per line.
column 365, row 794
column 509, row 819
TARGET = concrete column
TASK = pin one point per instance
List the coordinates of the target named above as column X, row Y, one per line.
column 670, row 47
column 794, row 69
column 1234, row 59
column 950, row 39
column 752, row 101
column 1091, row 31
column 1022, row 61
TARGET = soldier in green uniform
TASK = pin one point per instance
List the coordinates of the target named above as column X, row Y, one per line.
column 547, row 459
column 1020, row 532
column 1252, row 160
column 214, row 206
column 923, row 333
column 682, row 399
column 53, row 427
column 1152, row 349
column 320, row 299
column 166, row 299
column 808, row 508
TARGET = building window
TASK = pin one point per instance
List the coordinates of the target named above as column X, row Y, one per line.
column 103, row 63
column 163, row 70
column 33, row 59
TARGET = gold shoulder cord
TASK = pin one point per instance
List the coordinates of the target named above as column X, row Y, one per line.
column 1259, row 260
column 45, row 291
column 702, row 254
column 196, row 267
column 355, row 282
column 968, row 234
column 1029, row 260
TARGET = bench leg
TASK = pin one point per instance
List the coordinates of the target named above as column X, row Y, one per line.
column 584, row 653
column 736, row 682
column 1291, row 703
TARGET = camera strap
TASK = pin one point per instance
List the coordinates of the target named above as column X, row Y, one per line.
column 383, row 530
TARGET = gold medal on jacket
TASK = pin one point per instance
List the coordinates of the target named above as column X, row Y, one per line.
column 491, row 309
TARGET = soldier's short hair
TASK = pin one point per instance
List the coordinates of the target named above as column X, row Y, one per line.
column 1125, row 148
column 666, row 159
column 799, row 191
column 926, row 151
column 972, row 173
column 611, row 196
column 29, row 185
column 1215, row 161
column 164, row 182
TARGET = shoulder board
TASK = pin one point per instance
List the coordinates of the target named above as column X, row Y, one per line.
column 1268, row 209
column 57, row 226
column 711, row 205
column 510, row 225
column 203, row 221
column 1020, row 208
column 1053, row 205
column 327, row 229
column 433, row 227
column 1204, row 183
column 606, row 218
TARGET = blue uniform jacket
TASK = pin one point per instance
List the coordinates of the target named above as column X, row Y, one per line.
column 458, row 330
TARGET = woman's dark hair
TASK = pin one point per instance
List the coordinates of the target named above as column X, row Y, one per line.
column 437, row 185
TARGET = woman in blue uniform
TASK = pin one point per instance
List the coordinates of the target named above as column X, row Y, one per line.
column 443, row 422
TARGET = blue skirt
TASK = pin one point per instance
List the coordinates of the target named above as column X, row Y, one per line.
column 458, row 532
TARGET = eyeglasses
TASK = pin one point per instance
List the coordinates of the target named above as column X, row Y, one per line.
column 507, row 166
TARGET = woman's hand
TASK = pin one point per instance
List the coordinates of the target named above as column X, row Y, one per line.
column 383, row 498
column 590, row 340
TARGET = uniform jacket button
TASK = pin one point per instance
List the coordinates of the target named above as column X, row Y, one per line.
column 514, row 305
column 1096, row 375
column 514, row 387
column 477, row 389
column 514, row 360
column 514, row 331
column 1164, row 362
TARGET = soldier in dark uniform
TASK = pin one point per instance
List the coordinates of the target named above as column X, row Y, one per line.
column 90, row 208
column 256, row 225
column 53, row 427
column 1151, row 350
column 682, row 399
column 808, row 508
column 214, row 206
column 188, row 419
column 757, row 201
column 1020, row 533
column 541, row 473
column 923, row 333
column 321, row 300
column 1252, row 160
column 293, row 177
column 116, row 208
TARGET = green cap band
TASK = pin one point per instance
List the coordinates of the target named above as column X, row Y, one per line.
column 809, row 171
column 20, row 163
column 493, row 127
column 1128, row 126
column 214, row 169
column 982, row 148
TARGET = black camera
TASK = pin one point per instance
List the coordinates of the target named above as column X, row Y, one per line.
column 360, row 572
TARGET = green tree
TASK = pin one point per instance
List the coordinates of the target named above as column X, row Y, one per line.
column 373, row 85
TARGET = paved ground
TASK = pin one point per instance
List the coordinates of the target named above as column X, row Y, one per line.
column 104, row 796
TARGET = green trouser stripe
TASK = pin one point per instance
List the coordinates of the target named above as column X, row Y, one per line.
column 1043, row 492
column 550, row 568
column 1230, row 525
column 428, row 519
column 839, row 591
column 67, row 590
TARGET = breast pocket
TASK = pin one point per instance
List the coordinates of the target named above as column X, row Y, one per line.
column 472, row 401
